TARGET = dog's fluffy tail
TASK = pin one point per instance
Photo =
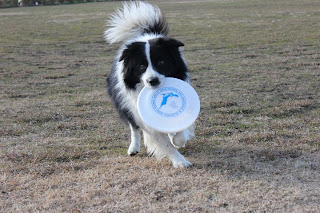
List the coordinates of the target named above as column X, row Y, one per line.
column 133, row 20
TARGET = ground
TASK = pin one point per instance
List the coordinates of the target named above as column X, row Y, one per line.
column 255, row 65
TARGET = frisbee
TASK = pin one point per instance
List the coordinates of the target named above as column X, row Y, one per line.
column 170, row 108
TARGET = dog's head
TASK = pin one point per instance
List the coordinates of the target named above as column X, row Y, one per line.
column 149, row 62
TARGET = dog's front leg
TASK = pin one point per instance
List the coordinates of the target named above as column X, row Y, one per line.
column 134, row 147
column 159, row 146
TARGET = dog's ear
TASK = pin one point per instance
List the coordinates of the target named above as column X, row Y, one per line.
column 167, row 42
column 124, row 55
column 175, row 43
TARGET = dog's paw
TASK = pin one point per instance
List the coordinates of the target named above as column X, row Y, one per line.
column 182, row 164
column 180, row 139
column 172, row 139
column 132, row 151
column 177, row 140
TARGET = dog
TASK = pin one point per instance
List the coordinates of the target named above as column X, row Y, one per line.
column 147, row 56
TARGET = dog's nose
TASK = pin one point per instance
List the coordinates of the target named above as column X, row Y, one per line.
column 154, row 81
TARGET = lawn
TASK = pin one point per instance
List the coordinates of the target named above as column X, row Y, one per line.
column 255, row 65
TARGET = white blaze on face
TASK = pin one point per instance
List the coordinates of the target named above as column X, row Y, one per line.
column 150, row 76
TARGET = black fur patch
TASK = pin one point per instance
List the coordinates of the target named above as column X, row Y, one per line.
column 135, row 63
column 159, row 27
column 166, row 58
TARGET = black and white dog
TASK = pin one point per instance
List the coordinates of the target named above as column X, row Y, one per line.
column 146, row 58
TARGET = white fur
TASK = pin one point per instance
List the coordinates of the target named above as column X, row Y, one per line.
column 134, row 147
column 179, row 139
column 131, row 21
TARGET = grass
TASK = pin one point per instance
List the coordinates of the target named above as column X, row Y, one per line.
column 255, row 65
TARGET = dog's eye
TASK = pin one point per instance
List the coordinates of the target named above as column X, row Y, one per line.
column 160, row 63
column 142, row 67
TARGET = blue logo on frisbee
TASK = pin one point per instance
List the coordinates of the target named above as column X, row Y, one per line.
column 168, row 102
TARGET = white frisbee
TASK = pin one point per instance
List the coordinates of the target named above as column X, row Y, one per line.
column 170, row 108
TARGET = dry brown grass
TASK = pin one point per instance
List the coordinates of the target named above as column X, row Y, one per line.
column 255, row 65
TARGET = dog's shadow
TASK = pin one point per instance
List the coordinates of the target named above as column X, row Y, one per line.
column 256, row 163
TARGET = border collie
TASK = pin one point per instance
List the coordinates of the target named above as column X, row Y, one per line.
column 147, row 56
